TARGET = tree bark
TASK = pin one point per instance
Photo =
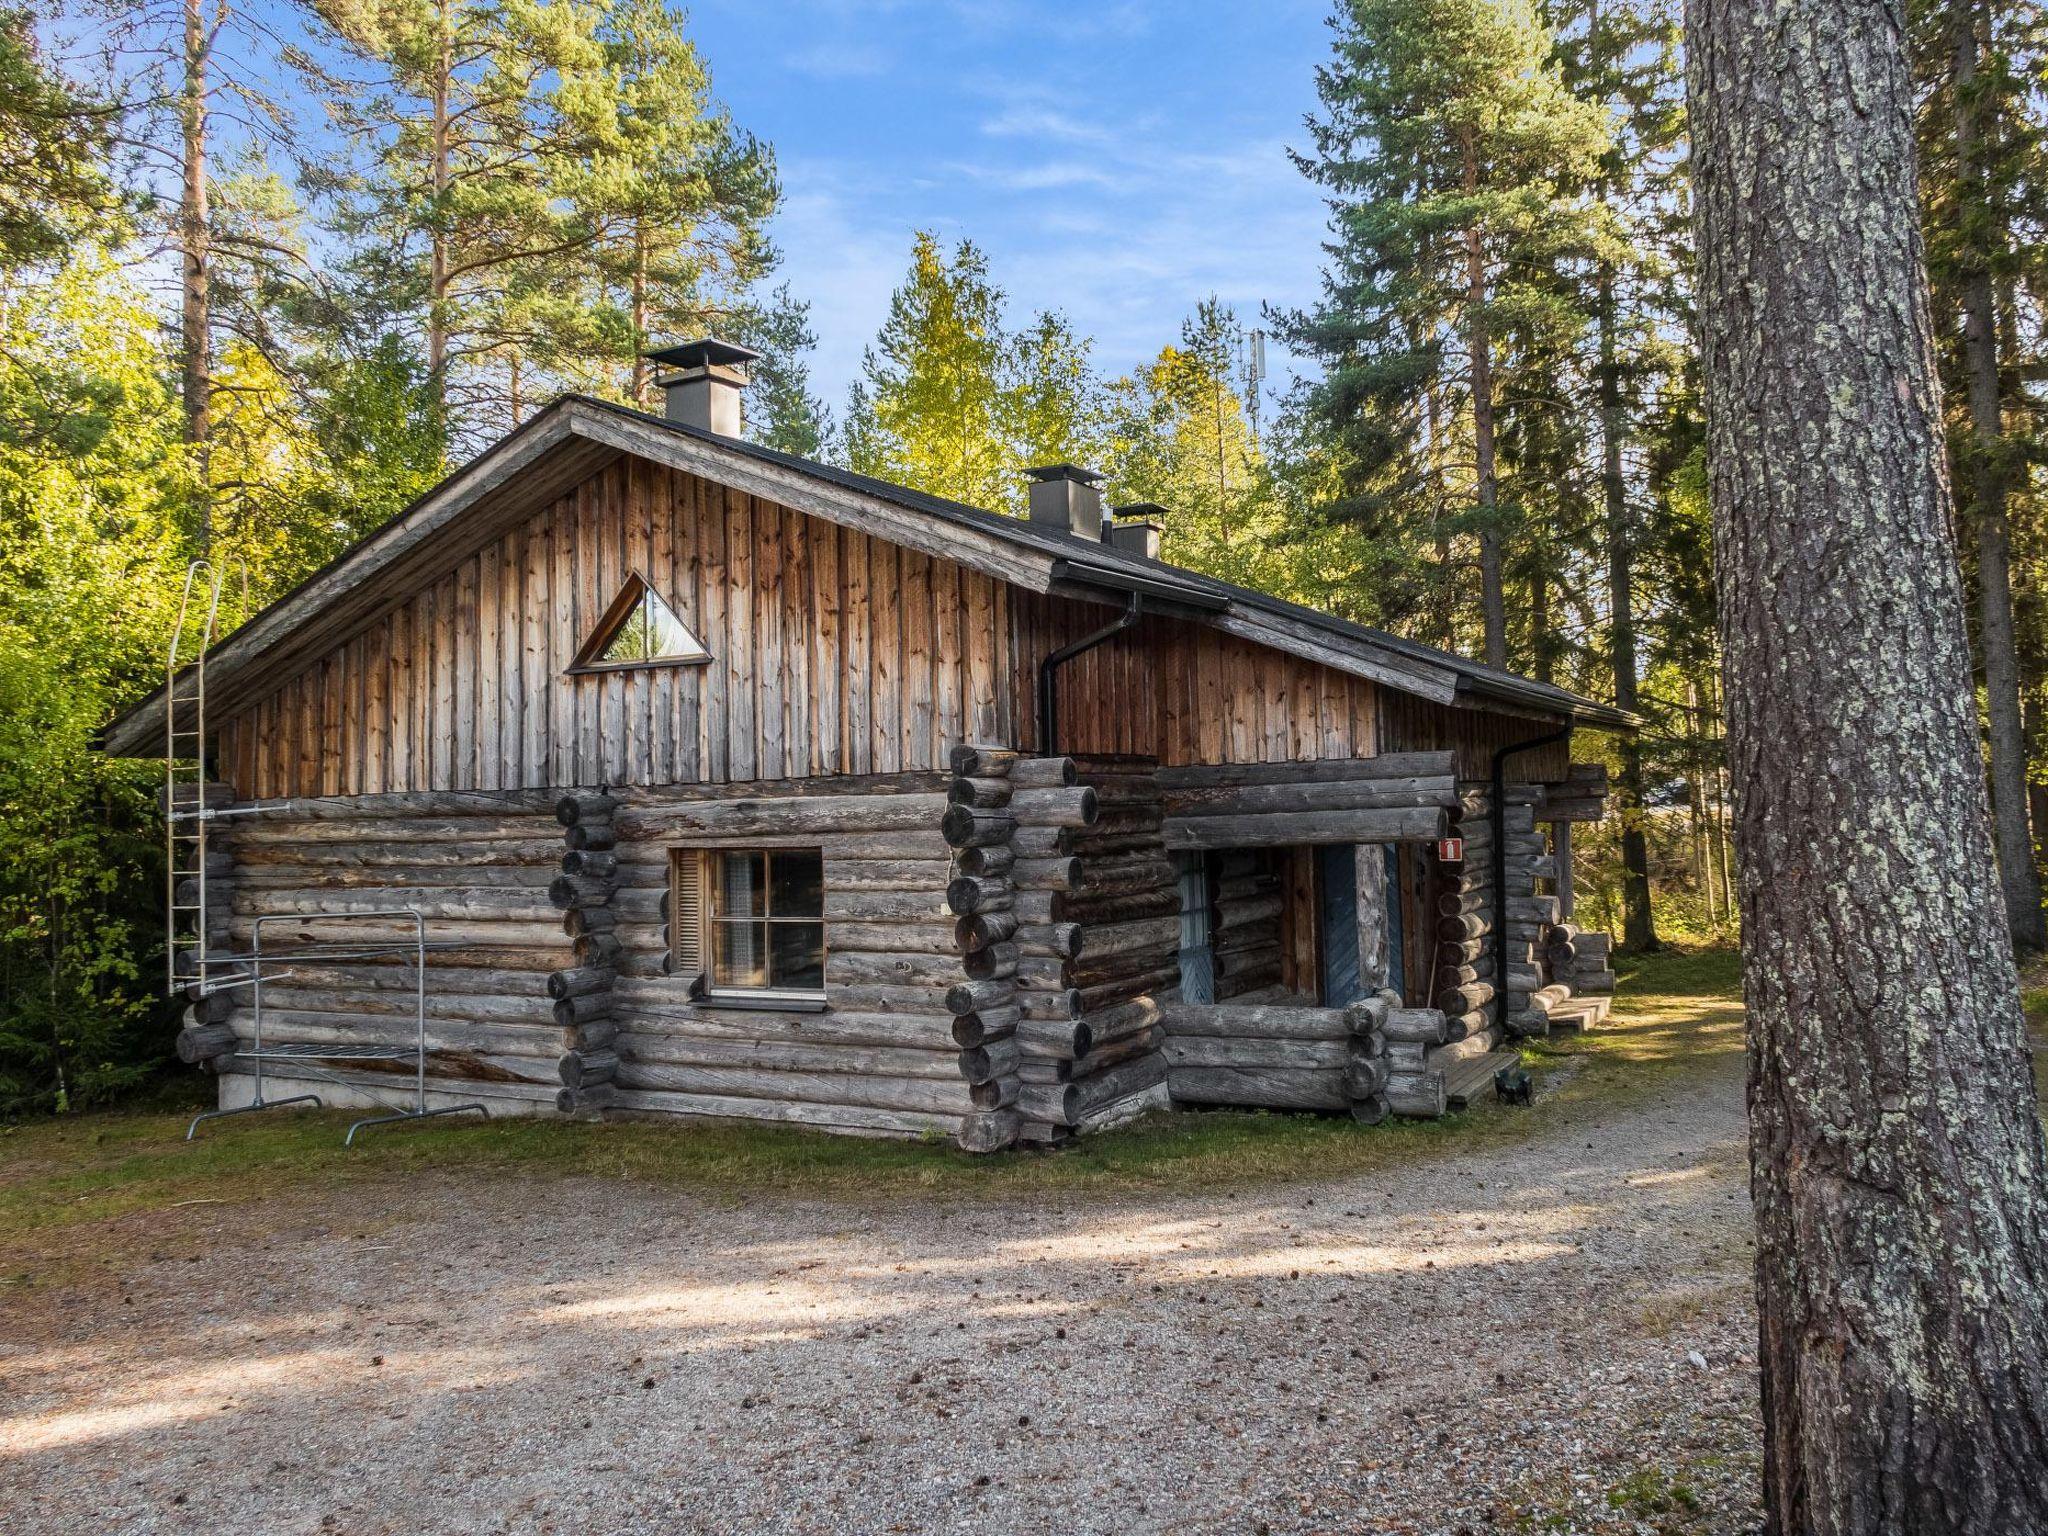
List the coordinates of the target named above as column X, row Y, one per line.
column 1897, row 1164
column 1492, row 594
column 195, row 261
column 1638, row 919
column 440, row 158
column 1987, row 480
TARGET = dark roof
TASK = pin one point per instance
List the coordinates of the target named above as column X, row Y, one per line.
column 516, row 467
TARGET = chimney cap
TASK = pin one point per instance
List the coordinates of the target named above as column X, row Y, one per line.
column 704, row 352
column 1044, row 473
column 1151, row 511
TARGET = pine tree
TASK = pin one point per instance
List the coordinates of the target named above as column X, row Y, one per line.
column 1450, row 148
column 676, row 193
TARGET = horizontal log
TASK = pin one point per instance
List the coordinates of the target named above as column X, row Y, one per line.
column 992, row 859
column 1055, row 1039
column 575, row 809
column 893, row 938
column 1056, row 874
column 984, row 929
column 868, row 906
column 1135, row 1074
column 988, row 1131
column 591, row 837
column 581, row 1069
column 1138, row 1015
column 1072, row 807
column 981, row 1062
column 877, row 887
column 1414, row 1024
column 847, row 1119
column 1062, row 941
column 851, row 968
column 969, row 894
column 1464, row 999
column 1184, row 1050
column 1318, row 827
column 590, row 864
column 982, row 794
column 965, row 997
column 1051, row 1006
column 1044, row 773
column 787, row 815
column 1258, row 1087
column 995, row 961
column 1146, row 936
column 1416, row 1095
column 1315, row 770
column 986, row 762
column 1300, row 798
column 1254, row 1019
column 1052, row 1103
column 928, row 1095
column 995, row 1092
column 572, row 1011
column 964, row 827
column 204, row 1042
column 972, row 1029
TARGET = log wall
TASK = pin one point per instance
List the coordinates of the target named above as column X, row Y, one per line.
column 476, row 866
column 879, row 1058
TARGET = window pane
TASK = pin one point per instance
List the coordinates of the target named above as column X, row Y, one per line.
column 739, row 887
column 799, row 956
column 797, row 883
column 739, row 955
column 666, row 635
column 630, row 642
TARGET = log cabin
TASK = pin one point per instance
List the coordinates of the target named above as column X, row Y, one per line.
column 729, row 784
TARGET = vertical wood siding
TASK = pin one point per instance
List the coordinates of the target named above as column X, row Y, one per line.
column 832, row 653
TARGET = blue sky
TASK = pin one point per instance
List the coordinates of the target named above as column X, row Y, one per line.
column 1118, row 161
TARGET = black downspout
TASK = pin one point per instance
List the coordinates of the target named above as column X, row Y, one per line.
column 1048, row 673
column 1500, row 863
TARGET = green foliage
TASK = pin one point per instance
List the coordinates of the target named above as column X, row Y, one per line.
column 53, row 145
column 93, row 494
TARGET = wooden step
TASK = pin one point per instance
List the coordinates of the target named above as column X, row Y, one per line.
column 1471, row 1081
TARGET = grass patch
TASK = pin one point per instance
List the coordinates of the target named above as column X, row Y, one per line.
column 95, row 1169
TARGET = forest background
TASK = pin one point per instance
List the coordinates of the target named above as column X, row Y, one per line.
column 267, row 275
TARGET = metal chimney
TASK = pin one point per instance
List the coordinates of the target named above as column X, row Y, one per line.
column 1137, row 528
column 704, row 389
column 1066, row 497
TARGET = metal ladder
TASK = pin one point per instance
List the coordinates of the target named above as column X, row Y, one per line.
column 186, row 812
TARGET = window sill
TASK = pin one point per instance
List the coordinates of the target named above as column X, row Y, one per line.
column 763, row 1002
column 594, row 668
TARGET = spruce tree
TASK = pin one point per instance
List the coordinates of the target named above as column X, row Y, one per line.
column 1451, row 151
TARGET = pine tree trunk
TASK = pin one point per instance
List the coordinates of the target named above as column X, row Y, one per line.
column 643, row 377
column 1898, row 1170
column 440, row 158
column 1492, row 591
column 1638, row 917
column 1985, row 480
column 195, row 261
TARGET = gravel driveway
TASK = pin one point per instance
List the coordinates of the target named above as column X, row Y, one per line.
column 1473, row 1342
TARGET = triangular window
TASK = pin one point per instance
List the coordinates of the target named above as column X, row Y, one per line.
column 638, row 630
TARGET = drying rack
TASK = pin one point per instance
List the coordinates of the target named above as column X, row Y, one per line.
column 308, row 1057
